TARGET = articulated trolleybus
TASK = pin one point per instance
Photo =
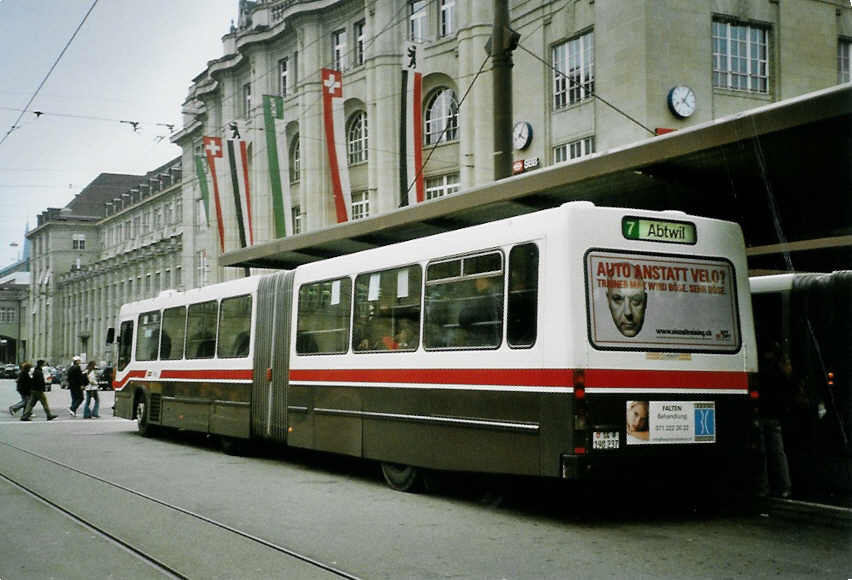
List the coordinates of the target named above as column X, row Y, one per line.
column 565, row 343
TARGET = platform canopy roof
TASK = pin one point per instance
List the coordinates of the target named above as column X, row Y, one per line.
column 783, row 171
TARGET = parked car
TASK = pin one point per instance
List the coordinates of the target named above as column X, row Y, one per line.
column 10, row 371
column 105, row 379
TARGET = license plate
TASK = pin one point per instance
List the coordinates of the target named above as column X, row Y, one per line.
column 605, row 440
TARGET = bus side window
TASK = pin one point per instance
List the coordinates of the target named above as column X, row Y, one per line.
column 201, row 330
column 235, row 327
column 387, row 310
column 323, row 318
column 174, row 327
column 464, row 302
column 522, row 319
column 125, row 344
column 148, row 341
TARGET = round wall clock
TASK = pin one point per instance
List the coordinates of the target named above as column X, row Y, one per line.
column 681, row 100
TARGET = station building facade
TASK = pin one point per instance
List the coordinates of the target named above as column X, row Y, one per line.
column 588, row 76
column 117, row 241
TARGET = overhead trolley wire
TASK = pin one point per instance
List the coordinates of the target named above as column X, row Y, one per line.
column 49, row 72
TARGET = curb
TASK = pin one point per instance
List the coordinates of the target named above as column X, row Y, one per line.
column 829, row 515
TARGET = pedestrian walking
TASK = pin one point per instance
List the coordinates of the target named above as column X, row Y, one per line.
column 75, row 385
column 91, row 382
column 23, row 385
column 776, row 402
column 37, row 394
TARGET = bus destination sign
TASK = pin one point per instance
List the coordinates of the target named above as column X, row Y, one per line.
column 635, row 228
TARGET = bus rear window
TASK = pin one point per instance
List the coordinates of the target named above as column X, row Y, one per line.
column 656, row 302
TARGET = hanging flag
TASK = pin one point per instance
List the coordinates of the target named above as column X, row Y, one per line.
column 411, row 128
column 202, row 183
column 213, row 151
column 279, row 165
column 335, row 141
column 240, row 185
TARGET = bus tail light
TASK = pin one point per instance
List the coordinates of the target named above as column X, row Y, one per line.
column 830, row 378
column 269, row 375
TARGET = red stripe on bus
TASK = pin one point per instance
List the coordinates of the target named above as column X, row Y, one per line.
column 594, row 378
column 206, row 374
column 131, row 375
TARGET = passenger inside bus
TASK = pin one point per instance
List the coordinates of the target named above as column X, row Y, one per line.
column 482, row 315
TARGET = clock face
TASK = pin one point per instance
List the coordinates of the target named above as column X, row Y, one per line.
column 521, row 135
column 682, row 101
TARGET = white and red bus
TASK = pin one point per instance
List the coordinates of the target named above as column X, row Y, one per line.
column 570, row 342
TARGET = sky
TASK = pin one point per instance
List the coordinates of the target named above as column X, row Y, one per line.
column 131, row 60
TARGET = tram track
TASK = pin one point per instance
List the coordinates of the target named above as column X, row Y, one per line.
column 137, row 548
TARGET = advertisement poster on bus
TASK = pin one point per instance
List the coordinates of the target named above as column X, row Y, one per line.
column 670, row 422
column 657, row 302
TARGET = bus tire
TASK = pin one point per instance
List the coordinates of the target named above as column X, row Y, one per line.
column 402, row 477
column 140, row 410
column 233, row 445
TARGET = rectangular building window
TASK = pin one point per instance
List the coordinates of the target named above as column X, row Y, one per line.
column 338, row 45
column 247, row 100
column 360, row 41
column 464, row 302
column 78, row 241
column 448, row 17
column 740, row 57
column 441, row 185
column 387, row 310
column 323, row 317
column 283, row 72
column 844, row 58
column 418, row 20
column 574, row 149
column 574, row 70
column 234, row 327
column 297, row 220
column 360, row 205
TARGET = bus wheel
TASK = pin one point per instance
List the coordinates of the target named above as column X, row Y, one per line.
column 402, row 477
column 141, row 407
column 233, row 445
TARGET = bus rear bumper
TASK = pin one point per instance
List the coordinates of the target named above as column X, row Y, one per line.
column 701, row 465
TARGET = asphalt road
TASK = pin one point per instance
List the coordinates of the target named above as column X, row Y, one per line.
column 338, row 512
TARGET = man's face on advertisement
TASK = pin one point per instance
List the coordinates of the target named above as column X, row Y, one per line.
column 627, row 306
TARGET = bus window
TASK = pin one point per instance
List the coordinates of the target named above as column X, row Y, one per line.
column 125, row 343
column 234, row 327
column 148, row 342
column 323, row 324
column 201, row 330
column 387, row 310
column 464, row 302
column 174, row 327
column 522, row 322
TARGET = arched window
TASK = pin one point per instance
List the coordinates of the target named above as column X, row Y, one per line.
column 357, row 138
column 442, row 117
column 294, row 159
